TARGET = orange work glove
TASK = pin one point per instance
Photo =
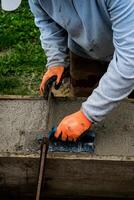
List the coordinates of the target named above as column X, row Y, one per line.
column 73, row 126
column 51, row 72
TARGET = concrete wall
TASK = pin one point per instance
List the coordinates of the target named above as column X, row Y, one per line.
column 107, row 172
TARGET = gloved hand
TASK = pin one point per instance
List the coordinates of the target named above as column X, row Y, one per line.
column 51, row 72
column 73, row 126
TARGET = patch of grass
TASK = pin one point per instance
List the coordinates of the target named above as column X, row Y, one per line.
column 22, row 60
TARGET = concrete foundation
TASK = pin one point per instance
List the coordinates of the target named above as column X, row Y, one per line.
column 107, row 172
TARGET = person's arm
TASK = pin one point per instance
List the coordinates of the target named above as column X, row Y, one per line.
column 53, row 37
column 118, row 82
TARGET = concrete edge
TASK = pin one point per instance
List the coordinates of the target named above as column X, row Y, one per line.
column 69, row 156
column 18, row 97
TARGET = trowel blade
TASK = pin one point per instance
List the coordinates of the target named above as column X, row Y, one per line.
column 86, row 143
column 10, row 5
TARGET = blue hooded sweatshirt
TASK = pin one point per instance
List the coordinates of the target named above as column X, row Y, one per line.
column 97, row 29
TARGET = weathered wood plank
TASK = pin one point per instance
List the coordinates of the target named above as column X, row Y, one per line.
column 69, row 178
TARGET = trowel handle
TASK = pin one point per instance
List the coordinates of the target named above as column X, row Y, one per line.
column 48, row 87
column 51, row 133
column 86, row 137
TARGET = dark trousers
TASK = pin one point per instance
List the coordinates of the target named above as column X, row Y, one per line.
column 85, row 74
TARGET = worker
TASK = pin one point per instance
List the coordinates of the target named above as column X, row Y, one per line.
column 95, row 29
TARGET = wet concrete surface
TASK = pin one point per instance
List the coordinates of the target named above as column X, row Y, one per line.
column 21, row 121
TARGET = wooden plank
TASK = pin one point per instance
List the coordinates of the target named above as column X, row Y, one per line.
column 69, row 178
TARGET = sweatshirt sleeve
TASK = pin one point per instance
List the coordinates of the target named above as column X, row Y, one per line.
column 53, row 37
column 118, row 82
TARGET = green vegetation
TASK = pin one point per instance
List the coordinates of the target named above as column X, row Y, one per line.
column 22, row 59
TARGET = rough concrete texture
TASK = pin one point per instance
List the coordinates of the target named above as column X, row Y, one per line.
column 115, row 135
column 20, row 121
column 108, row 172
